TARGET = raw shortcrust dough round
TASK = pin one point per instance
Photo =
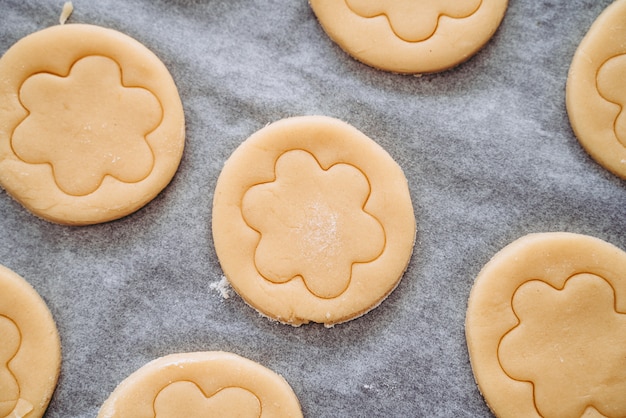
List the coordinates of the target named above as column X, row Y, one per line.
column 596, row 93
column 30, row 349
column 410, row 36
column 312, row 221
column 91, row 124
column 202, row 384
column 546, row 328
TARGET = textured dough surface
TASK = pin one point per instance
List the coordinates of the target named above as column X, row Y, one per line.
column 91, row 126
column 202, row 384
column 596, row 94
column 546, row 328
column 312, row 221
column 410, row 36
column 30, row 349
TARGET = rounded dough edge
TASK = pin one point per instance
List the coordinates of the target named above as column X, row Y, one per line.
column 587, row 110
column 552, row 257
column 39, row 354
column 32, row 185
column 235, row 242
column 373, row 43
column 136, row 394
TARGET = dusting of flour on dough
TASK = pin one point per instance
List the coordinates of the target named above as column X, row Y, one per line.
column 222, row 286
column 22, row 408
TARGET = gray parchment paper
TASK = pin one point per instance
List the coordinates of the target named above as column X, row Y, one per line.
column 487, row 148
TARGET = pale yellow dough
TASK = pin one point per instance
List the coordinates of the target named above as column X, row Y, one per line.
column 596, row 94
column 91, row 124
column 30, row 349
column 546, row 328
column 312, row 221
column 202, row 384
column 410, row 36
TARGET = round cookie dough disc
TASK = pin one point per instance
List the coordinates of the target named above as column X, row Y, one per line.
column 595, row 93
column 388, row 35
column 312, row 221
column 30, row 350
column 546, row 328
column 91, row 124
column 202, row 384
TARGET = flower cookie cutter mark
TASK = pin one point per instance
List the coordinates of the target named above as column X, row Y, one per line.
column 413, row 33
column 8, row 379
column 71, row 129
column 247, row 402
column 311, row 281
column 614, row 68
column 591, row 403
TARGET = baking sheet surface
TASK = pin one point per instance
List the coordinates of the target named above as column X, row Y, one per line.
column 487, row 149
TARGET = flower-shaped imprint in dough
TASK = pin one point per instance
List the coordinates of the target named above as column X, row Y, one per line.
column 546, row 328
column 312, row 221
column 410, row 36
column 611, row 86
column 316, row 227
column 91, row 124
column 202, row 384
column 556, row 344
column 30, row 351
column 94, row 126
column 9, row 388
column 231, row 402
column 595, row 93
column 414, row 20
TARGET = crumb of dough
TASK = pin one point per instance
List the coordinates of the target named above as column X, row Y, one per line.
column 68, row 8
column 222, row 286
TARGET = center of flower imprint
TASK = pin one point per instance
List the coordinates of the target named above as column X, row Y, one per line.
column 313, row 223
column 414, row 20
column 571, row 345
column 184, row 399
column 611, row 86
column 87, row 125
column 9, row 345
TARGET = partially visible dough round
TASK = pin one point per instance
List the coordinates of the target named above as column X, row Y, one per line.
column 410, row 36
column 546, row 328
column 91, row 124
column 202, row 384
column 312, row 221
column 30, row 349
column 596, row 93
